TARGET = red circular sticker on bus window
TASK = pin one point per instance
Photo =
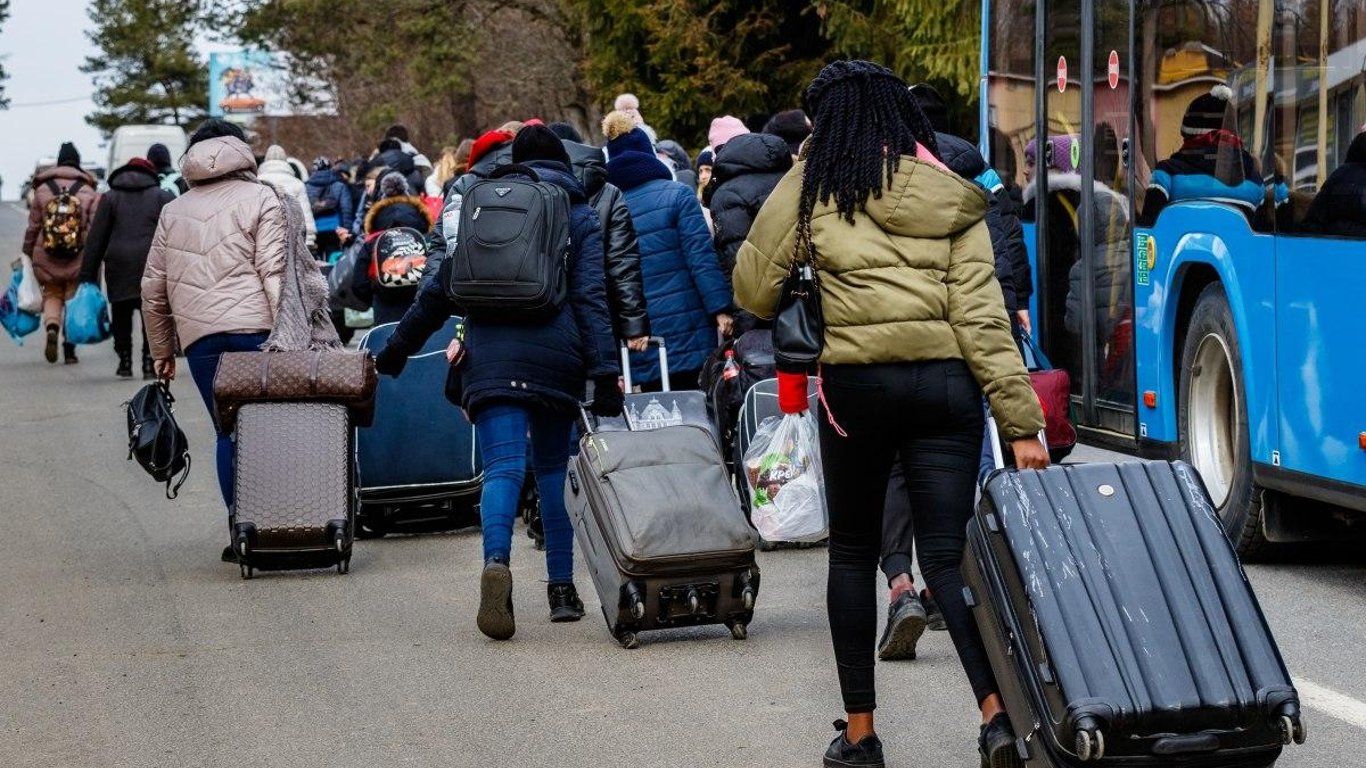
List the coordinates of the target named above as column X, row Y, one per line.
column 1062, row 74
column 1112, row 71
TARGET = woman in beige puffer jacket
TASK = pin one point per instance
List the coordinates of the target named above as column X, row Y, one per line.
column 213, row 274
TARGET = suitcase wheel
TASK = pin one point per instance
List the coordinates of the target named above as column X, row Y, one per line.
column 344, row 566
column 638, row 609
column 1090, row 744
column 628, row 640
column 738, row 630
column 747, row 599
column 246, row 570
column 1292, row 730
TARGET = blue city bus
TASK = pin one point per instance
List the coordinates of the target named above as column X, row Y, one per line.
column 1208, row 301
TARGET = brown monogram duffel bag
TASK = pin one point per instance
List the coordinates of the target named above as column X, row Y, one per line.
column 319, row 375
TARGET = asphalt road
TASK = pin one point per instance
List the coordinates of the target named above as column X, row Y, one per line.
column 127, row 643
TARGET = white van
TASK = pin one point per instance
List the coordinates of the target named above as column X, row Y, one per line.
column 130, row 141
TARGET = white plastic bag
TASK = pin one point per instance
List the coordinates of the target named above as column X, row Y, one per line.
column 30, row 293
column 783, row 476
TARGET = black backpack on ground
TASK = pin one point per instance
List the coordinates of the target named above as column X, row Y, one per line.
column 510, row 259
column 155, row 440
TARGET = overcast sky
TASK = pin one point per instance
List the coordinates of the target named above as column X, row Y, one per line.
column 44, row 45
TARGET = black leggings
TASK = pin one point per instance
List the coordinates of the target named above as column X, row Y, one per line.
column 121, row 323
column 929, row 413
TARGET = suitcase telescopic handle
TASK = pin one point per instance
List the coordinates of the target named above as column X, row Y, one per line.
column 998, row 457
column 655, row 341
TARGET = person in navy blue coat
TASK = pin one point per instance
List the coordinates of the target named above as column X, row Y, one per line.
column 527, row 379
column 687, row 296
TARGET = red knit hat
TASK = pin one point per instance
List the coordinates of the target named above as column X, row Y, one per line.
column 143, row 163
column 486, row 144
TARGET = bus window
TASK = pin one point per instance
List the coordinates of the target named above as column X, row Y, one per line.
column 1198, row 86
column 1011, row 89
column 1112, row 271
column 1320, row 118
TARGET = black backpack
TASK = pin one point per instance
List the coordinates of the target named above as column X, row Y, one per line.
column 510, row 259
column 155, row 440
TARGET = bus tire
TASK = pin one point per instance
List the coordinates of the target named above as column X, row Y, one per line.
column 1212, row 415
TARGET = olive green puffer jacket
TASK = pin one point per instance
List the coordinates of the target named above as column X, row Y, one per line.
column 911, row 279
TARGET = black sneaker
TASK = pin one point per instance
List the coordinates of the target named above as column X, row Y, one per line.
column 934, row 618
column 495, row 600
column 125, row 369
column 565, row 604
column 865, row 754
column 905, row 625
column 996, row 744
column 149, row 371
column 50, row 349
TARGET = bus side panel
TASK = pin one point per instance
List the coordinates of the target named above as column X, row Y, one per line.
column 1245, row 263
column 1319, row 308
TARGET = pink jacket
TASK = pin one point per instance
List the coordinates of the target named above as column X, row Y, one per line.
column 218, row 253
column 46, row 267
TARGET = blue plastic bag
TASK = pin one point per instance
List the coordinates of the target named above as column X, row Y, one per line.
column 87, row 316
column 17, row 322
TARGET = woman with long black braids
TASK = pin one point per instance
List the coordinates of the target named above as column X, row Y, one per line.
column 915, row 332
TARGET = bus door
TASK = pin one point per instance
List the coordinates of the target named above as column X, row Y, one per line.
column 1080, row 191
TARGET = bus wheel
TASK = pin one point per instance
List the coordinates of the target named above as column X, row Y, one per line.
column 1213, row 420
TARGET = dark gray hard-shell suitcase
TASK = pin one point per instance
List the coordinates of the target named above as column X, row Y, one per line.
column 659, row 525
column 294, row 504
column 1120, row 625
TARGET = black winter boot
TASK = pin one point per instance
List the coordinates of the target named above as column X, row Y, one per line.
column 565, row 604
column 69, row 354
column 125, row 369
column 149, row 370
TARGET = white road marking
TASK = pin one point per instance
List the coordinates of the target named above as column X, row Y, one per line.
column 1332, row 703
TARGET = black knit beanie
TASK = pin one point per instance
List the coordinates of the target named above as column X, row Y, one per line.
column 537, row 142
column 159, row 155
column 68, row 156
column 1206, row 113
column 933, row 105
column 566, row 131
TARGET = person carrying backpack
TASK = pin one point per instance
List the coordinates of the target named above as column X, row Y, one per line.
column 167, row 176
column 329, row 200
column 525, row 359
column 64, row 200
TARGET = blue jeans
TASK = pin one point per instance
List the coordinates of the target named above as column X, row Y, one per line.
column 502, row 430
column 202, row 357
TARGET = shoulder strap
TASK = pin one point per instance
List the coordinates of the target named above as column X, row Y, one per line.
column 54, row 186
column 71, row 190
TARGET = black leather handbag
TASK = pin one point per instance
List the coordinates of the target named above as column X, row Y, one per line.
column 154, row 438
column 799, row 325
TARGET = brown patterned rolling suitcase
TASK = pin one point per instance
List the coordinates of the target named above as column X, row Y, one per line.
column 294, row 493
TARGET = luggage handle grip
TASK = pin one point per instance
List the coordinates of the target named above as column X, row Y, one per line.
column 655, row 341
column 998, row 458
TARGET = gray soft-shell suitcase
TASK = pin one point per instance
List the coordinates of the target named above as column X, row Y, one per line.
column 1120, row 625
column 294, row 504
column 661, row 529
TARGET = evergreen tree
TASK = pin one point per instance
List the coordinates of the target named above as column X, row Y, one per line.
column 692, row 60
column 147, row 70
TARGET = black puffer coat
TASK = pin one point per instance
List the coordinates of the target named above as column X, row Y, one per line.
column 744, row 173
column 1340, row 207
column 1007, row 237
column 121, row 234
column 625, row 287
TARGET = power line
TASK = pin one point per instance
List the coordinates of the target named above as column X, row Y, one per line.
column 52, row 103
